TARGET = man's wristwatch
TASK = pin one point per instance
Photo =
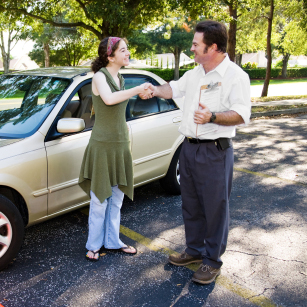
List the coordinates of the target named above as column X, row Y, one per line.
column 213, row 117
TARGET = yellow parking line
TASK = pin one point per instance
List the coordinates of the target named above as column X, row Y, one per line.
column 269, row 176
column 259, row 300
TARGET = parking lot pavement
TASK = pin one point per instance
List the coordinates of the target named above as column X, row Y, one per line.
column 265, row 261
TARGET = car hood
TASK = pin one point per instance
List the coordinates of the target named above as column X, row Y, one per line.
column 4, row 142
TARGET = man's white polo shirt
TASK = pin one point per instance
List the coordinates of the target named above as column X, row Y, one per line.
column 233, row 93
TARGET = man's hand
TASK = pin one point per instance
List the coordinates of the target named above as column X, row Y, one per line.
column 202, row 115
column 149, row 91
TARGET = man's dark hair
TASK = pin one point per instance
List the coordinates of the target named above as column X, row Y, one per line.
column 214, row 33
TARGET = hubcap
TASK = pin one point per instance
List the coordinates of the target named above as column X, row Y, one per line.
column 6, row 234
column 177, row 173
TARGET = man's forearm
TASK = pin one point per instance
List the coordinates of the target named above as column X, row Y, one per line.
column 228, row 118
column 163, row 91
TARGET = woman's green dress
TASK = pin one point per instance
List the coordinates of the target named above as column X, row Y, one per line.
column 107, row 158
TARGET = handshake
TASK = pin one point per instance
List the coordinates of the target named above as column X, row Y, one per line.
column 147, row 91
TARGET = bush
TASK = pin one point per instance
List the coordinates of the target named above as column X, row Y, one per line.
column 249, row 65
column 254, row 73
column 259, row 73
column 166, row 74
column 278, row 64
column 297, row 72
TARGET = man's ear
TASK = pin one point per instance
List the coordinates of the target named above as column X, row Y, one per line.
column 214, row 47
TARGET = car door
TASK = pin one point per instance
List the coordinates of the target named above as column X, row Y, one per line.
column 65, row 153
column 154, row 132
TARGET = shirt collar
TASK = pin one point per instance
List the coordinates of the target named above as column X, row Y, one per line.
column 221, row 68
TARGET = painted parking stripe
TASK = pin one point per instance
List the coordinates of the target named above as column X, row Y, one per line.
column 259, row 300
column 269, row 176
column 284, row 140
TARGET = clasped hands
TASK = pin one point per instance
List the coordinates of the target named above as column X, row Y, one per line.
column 148, row 91
column 202, row 115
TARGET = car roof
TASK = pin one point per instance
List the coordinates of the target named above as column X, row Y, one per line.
column 60, row 72
column 69, row 72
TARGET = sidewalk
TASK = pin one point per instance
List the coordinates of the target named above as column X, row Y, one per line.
column 285, row 89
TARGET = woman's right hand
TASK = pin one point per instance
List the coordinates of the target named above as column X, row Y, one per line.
column 147, row 90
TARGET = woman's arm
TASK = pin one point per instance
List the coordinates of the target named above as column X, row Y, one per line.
column 101, row 88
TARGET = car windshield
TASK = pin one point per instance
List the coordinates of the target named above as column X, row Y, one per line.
column 25, row 102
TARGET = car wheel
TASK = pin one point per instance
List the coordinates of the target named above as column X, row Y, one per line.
column 11, row 231
column 171, row 182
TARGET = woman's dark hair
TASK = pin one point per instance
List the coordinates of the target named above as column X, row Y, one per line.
column 214, row 33
column 102, row 59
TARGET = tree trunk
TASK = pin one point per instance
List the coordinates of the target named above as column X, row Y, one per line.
column 5, row 55
column 269, row 53
column 239, row 59
column 232, row 32
column 285, row 60
column 177, row 52
column 47, row 54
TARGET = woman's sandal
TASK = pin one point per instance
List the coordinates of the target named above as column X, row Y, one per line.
column 94, row 258
column 123, row 249
column 126, row 247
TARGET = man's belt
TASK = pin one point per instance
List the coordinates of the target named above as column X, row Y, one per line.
column 222, row 143
column 198, row 141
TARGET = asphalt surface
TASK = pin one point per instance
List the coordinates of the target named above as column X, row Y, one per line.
column 264, row 264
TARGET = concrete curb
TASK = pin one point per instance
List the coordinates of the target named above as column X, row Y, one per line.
column 279, row 112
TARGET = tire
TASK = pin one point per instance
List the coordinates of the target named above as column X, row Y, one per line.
column 11, row 231
column 171, row 182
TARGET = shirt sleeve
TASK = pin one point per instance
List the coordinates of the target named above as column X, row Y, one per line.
column 240, row 100
column 179, row 87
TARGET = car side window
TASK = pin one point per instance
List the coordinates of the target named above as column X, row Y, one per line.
column 138, row 107
column 81, row 106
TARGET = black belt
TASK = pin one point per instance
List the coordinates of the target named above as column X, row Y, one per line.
column 222, row 143
column 198, row 141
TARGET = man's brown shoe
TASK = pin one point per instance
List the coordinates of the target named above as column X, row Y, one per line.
column 183, row 259
column 206, row 274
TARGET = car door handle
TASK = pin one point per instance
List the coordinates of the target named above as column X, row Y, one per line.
column 177, row 119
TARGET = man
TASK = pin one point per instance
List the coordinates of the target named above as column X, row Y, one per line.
column 217, row 98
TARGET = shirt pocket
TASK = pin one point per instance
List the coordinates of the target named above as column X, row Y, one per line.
column 212, row 100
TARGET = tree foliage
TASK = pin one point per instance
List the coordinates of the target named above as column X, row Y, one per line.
column 12, row 28
column 174, row 36
column 67, row 47
column 103, row 18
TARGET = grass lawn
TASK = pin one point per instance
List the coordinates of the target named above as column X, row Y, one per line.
column 276, row 108
column 277, row 98
column 279, row 81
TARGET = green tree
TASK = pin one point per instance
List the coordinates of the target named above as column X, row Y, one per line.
column 292, row 36
column 103, row 18
column 293, row 41
column 43, row 35
column 68, row 47
column 227, row 11
column 273, row 11
column 176, row 36
column 140, row 44
column 13, row 28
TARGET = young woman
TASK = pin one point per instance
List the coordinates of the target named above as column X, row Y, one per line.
column 106, row 170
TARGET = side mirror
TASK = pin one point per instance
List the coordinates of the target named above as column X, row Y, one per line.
column 70, row 125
